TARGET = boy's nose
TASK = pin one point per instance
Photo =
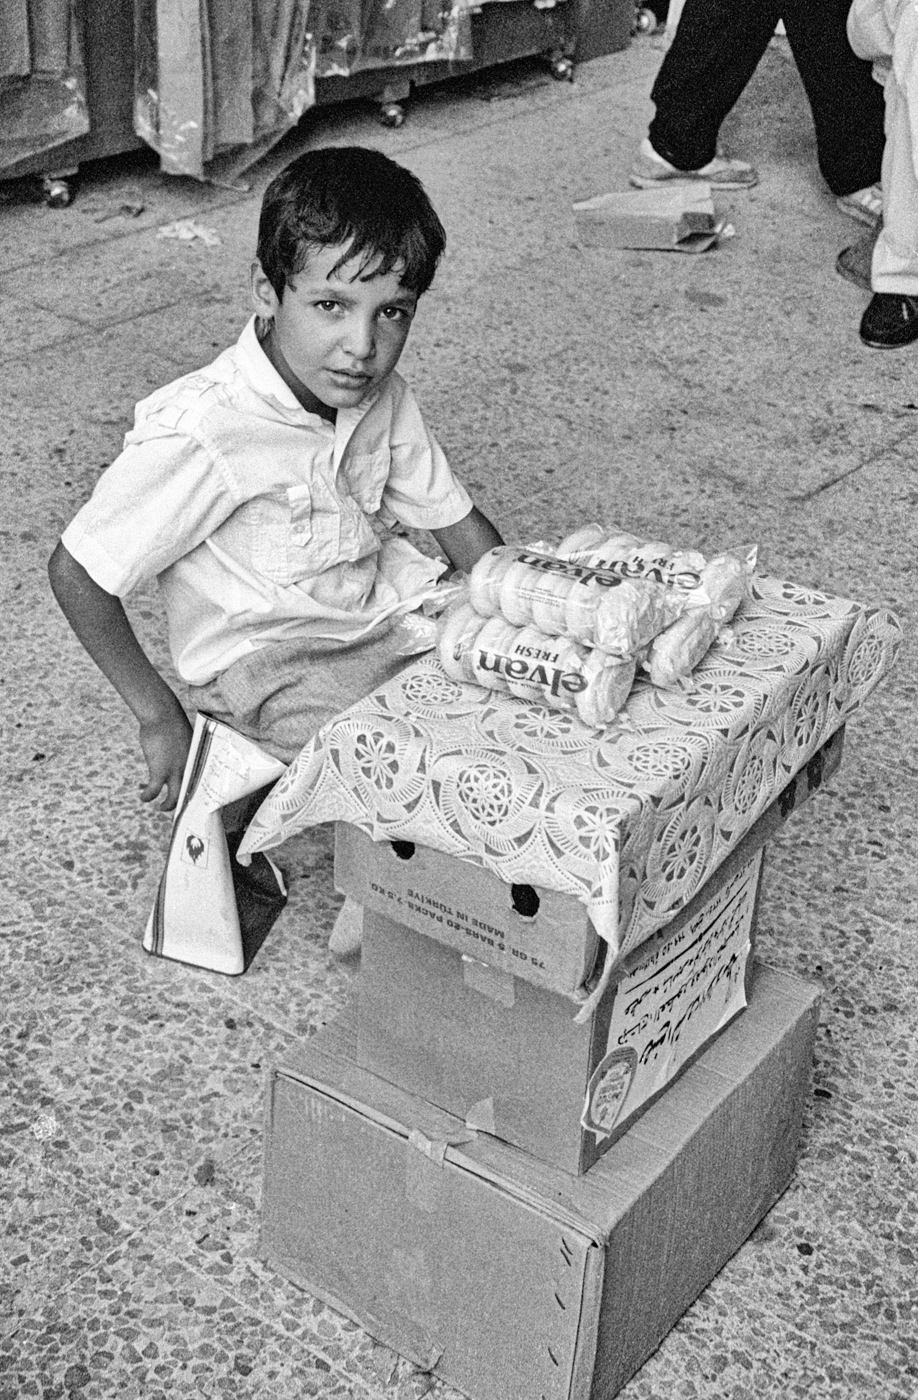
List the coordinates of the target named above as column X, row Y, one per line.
column 360, row 337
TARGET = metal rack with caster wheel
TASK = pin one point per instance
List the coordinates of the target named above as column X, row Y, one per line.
column 392, row 101
column 58, row 189
column 559, row 33
column 561, row 67
column 650, row 18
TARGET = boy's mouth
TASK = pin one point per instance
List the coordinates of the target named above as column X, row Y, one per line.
column 351, row 378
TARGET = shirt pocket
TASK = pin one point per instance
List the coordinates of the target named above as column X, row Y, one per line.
column 362, row 479
column 365, row 475
column 295, row 533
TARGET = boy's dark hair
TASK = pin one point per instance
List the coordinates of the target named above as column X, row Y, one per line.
column 355, row 196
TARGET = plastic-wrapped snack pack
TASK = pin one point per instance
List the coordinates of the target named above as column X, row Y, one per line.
column 631, row 557
column 713, row 590
column 675, row 653
column 568, row 598
column 532, row 665
column 570, row 627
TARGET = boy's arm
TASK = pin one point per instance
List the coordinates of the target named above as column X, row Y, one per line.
column 465, row 542
column 100, row 622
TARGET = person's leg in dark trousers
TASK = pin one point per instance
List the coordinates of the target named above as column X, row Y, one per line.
column 846, row 103
column 717, row 47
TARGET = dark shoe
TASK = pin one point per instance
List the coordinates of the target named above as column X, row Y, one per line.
column 890, row 320
column 854, row 263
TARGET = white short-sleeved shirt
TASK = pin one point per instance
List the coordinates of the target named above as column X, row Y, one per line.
column 261, row 521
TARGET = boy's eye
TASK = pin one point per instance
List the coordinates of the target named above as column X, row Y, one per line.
column 327, row 305
column 396, row 313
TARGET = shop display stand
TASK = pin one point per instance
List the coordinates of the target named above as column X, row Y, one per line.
column 564, row 33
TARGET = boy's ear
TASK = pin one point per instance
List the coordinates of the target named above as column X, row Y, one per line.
column 264, row 298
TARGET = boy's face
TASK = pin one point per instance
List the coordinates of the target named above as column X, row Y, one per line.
column 334, row 337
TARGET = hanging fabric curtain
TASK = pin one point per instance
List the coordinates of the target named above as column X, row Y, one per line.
column 218, row 82
column 42, row 79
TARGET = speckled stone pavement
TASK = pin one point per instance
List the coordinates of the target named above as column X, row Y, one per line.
column 716, row 399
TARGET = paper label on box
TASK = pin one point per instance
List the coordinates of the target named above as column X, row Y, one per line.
column 673, row 1001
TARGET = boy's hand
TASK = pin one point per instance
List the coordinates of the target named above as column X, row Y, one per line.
column 165, row 744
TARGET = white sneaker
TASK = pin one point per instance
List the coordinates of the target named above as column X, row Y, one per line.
column 650, row 169
column 866, row 205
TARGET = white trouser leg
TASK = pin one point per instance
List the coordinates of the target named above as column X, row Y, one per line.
column 895, row 257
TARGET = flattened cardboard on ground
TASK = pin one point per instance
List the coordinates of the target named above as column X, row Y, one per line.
column 503, row 1276
column 534, row 934
column 673, row 218
column 509, row 1058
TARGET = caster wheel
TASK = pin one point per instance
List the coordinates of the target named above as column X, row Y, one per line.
column 392, row 114
column 645, row 21
column 57, row 192
column 562, row 70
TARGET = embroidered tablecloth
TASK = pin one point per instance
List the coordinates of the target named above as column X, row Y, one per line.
column 631, row 822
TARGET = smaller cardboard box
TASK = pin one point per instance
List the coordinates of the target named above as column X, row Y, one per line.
column 502, row 1276
column 539, row 935
column 672, row 218
column 509, row 1058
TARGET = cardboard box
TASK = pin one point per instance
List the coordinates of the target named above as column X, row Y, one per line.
column 535, row 934
column 674, row 218
column 509, row 1058
column 507, row 1278
column 539, row 935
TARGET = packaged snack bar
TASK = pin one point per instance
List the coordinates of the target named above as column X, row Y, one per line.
column 725, row 581
column 674, row 655
column 531, row 665
column 677, row 651
column 568, row 598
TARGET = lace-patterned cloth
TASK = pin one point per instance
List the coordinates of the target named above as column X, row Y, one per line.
column 631, row 822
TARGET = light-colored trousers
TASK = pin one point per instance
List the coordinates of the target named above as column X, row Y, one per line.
column 886, row 31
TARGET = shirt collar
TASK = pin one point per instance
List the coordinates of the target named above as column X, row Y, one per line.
column 261, row 375
column 259, row 372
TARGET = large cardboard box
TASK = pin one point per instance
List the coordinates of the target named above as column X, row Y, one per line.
column 509, row 1057
column 507, row 1278
column 537, row 935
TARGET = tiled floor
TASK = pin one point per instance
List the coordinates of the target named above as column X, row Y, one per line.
column 718, row 399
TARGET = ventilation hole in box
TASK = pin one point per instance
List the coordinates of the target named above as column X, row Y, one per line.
column 524, row 900
column 403, row 849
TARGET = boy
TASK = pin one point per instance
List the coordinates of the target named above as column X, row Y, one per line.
column 261, row 490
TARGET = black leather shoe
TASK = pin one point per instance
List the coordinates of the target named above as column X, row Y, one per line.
column 890, row 320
